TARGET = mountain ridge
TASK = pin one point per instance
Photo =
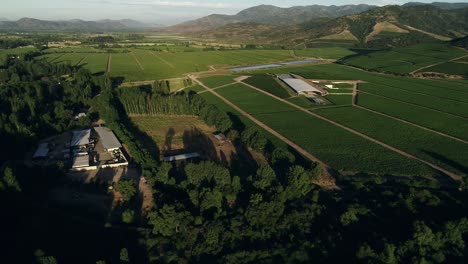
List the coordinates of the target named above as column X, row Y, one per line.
column 33, row 24
column 269, row 14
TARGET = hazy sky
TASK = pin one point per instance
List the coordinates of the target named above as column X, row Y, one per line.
column 161, row 11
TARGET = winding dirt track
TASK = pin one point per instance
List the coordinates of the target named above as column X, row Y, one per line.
column 401, row 152
column 109, row 63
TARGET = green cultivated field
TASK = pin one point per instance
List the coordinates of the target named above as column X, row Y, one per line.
column 339, row 148
column 325, row 53
column 217, row 80
column 340, row 100
column 268, row 84
column 146, row 64
column 453, row 68
column 449, row 124
column 17, row 51
column 440, row 103
column 426, row 145
column 407, row 59
column 212, row 99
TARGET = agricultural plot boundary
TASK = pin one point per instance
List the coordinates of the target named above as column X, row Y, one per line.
column 401, row 152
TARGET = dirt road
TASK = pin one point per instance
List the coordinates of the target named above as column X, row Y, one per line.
column 137, row 61
column 432, row 65
column 109, row 63
column 267, row 128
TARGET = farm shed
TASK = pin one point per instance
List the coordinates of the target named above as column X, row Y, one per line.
column 80, row 138
column 42, row 151
column 182, row 157
column 300, row 86
column 108, row 139
column 80, row 161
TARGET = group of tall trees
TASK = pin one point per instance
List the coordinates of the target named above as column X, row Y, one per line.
column 38, row 98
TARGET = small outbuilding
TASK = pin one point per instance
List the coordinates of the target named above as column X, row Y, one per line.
column 80, row 162
column 42, row 151
column 108, row 139
column 182, row 157
column 80, row 138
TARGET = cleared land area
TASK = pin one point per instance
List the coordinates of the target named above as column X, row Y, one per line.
column 444, row 152
column 337, row 147
column 168, row 131
column 407, row 59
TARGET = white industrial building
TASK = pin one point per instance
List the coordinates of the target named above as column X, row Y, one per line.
column 298, row 85
column 108, row 139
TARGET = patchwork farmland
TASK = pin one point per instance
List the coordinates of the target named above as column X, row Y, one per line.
column 408, row 115
column 400, row 125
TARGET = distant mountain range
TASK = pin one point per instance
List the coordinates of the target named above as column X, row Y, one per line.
column 31, row 24
column 441, row 5
column 272, row 15
column 380, row 26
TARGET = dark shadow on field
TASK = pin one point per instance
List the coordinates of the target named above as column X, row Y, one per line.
column 443, row 159
column 237, row 124
column 117, row 81
column 196, row 141
column 243, row 163
column 168, row 141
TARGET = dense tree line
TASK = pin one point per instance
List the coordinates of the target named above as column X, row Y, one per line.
column 145, row 102
column 38, row 99
column 14, row 43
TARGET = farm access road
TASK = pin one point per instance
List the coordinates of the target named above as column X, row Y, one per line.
column 401, row 152
column 326, row 181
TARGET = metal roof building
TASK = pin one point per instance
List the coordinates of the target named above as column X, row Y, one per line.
column 80, row 138
column 182, row 157
column 42, row 151
column 300, row 86
column 108, row 139
column 80, row 161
